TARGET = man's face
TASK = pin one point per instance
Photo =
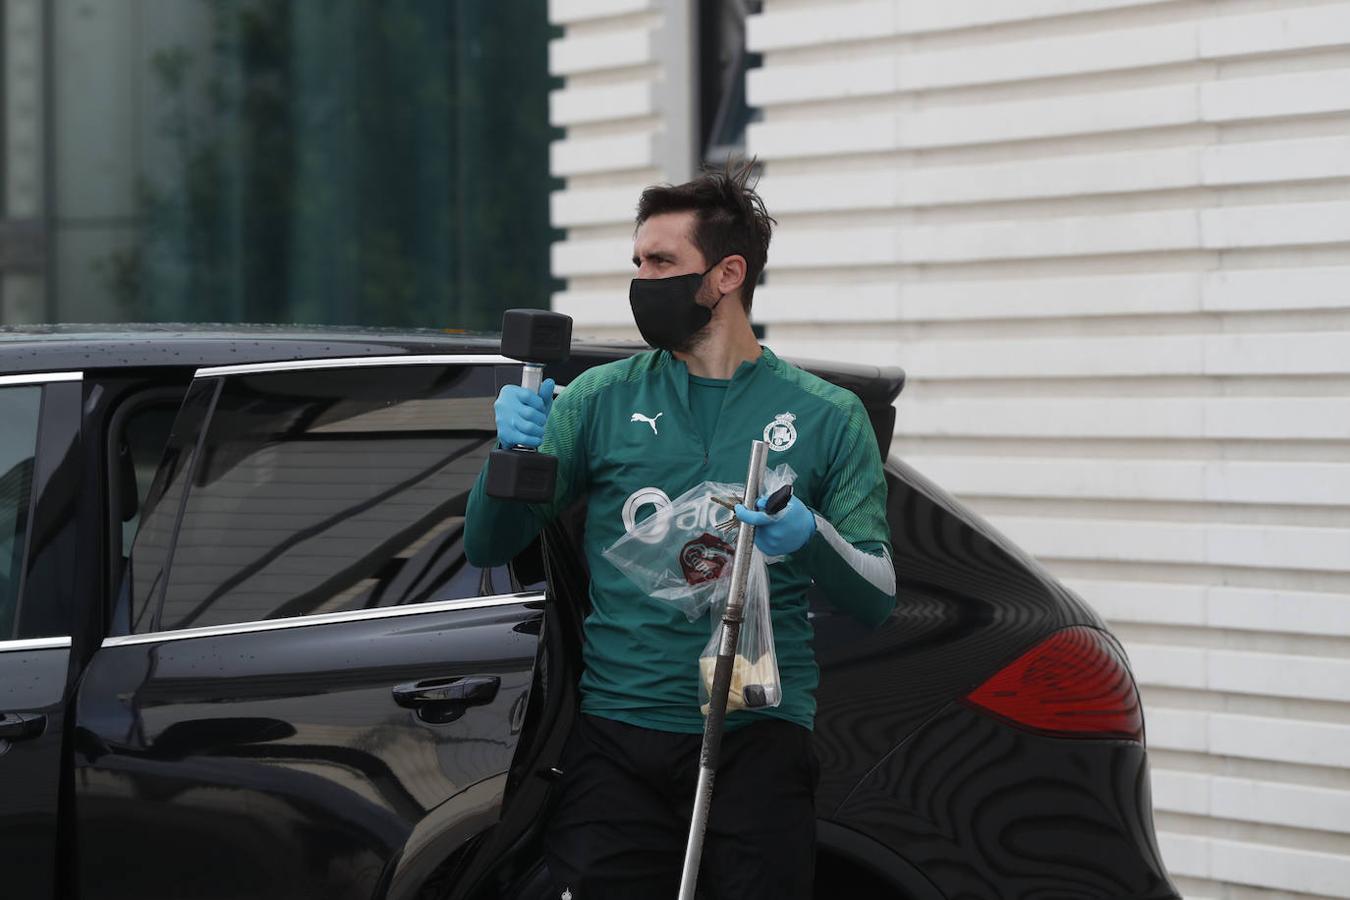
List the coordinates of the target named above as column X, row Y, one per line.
column 662, row 248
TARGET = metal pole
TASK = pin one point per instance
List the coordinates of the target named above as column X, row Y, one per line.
column 721, row 683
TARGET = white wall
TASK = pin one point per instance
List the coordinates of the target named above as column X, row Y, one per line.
column 1109, row 240
column 626, row 105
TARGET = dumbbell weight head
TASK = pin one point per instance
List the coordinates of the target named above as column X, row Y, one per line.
column 522, row 475
column 536, row 336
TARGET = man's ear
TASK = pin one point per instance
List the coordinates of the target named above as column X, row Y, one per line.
column 732, row 274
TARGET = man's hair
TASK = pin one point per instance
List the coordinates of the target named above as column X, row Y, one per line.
column 730, row 218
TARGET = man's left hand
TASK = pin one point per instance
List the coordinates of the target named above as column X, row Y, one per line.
column 781, row 534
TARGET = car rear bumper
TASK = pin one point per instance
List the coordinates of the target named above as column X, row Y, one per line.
column 984, row 809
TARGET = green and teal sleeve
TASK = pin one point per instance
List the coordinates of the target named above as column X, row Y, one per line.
column 849, row 556
column 496, row 530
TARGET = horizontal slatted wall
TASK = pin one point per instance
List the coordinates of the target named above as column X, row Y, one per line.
column 1109, row 240
column 1110, row 243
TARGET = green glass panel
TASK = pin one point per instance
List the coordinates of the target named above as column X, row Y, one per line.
column 375, row 162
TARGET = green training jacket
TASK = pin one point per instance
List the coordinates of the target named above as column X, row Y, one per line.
column 624, row 437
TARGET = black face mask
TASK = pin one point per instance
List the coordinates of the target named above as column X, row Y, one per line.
column 667, row 311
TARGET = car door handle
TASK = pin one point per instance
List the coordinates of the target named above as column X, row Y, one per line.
column 21, row 726
column 467, row 690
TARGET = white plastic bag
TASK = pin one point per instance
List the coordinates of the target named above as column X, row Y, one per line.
column 754, row 675
column 680, row 556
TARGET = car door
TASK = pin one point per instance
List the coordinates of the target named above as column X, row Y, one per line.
column 39, row 438
column 309, row 692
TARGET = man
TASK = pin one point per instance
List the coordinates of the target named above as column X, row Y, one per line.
column 632, row 434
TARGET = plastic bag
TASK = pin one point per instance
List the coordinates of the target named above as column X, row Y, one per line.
column 678, row 554
column 754, row 675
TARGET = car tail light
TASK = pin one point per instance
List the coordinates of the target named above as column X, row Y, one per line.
column 1073, row 684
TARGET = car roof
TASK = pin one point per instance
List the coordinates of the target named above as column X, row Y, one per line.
column 44, row 348
column 31, row 349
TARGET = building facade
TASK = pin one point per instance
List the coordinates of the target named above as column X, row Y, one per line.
column 347, row 162
column 1109, row 241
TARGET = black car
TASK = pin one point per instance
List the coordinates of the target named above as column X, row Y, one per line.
column 242, row 654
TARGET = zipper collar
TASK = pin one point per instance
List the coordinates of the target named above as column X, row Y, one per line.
column 766, row 359
column 679, row 371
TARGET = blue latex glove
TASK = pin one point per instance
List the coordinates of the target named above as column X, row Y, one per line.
column 781, row 534
column 521, row 414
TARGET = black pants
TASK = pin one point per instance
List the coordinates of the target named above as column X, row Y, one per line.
column 621, row 817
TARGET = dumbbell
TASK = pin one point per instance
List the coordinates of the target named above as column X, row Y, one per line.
column 537, row 338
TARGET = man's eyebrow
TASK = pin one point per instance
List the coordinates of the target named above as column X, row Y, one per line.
column 659, row 257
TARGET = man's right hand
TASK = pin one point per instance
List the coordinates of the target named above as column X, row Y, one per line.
column 521, row 414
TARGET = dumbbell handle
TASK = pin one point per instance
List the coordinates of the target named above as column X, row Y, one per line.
column 531, row 376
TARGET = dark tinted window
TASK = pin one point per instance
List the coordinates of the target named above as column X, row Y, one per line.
column 723, row 62
column 329, row 491
column 18, row 445
column 136, row 602
column 139, row 450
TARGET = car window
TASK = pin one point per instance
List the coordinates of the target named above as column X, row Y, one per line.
column 141, row 586
column 332, row 490
column 19, row 408
column 139, row 447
